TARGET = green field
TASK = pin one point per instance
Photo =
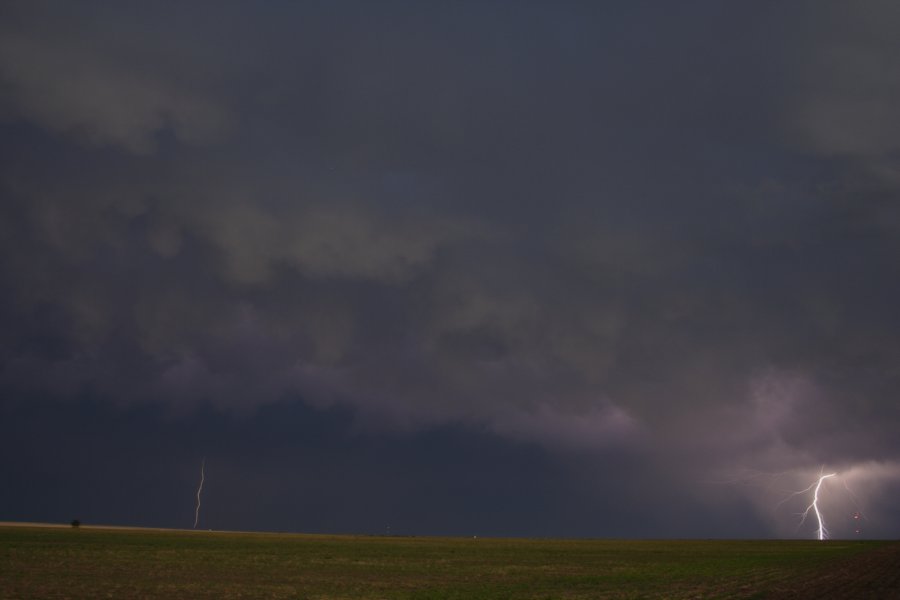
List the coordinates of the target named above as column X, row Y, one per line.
column 43, row 562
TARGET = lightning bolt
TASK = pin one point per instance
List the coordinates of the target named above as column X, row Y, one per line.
column 199, row 489
column 821, row 532
column 751, row 477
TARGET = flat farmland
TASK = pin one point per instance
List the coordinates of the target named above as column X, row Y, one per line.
column 47, row 562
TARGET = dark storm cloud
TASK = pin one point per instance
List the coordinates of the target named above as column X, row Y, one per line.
column 98, row 84
column 664, row 230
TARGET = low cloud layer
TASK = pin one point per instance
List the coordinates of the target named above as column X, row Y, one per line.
column 669, row 232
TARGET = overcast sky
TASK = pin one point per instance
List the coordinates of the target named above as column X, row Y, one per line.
column 472, row 268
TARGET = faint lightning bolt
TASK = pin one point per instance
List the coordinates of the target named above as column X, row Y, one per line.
column 199, row 489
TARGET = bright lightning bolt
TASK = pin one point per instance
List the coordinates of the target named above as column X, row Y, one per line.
column 822, row 532
column 199, row 489
column 816, row 491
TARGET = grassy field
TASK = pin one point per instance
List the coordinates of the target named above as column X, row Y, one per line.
column 89, row 562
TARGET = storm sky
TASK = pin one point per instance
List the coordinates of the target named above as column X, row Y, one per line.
column 473, row 268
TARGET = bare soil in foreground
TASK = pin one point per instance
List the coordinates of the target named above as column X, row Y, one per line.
column 95, row 562
column 872, row 574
